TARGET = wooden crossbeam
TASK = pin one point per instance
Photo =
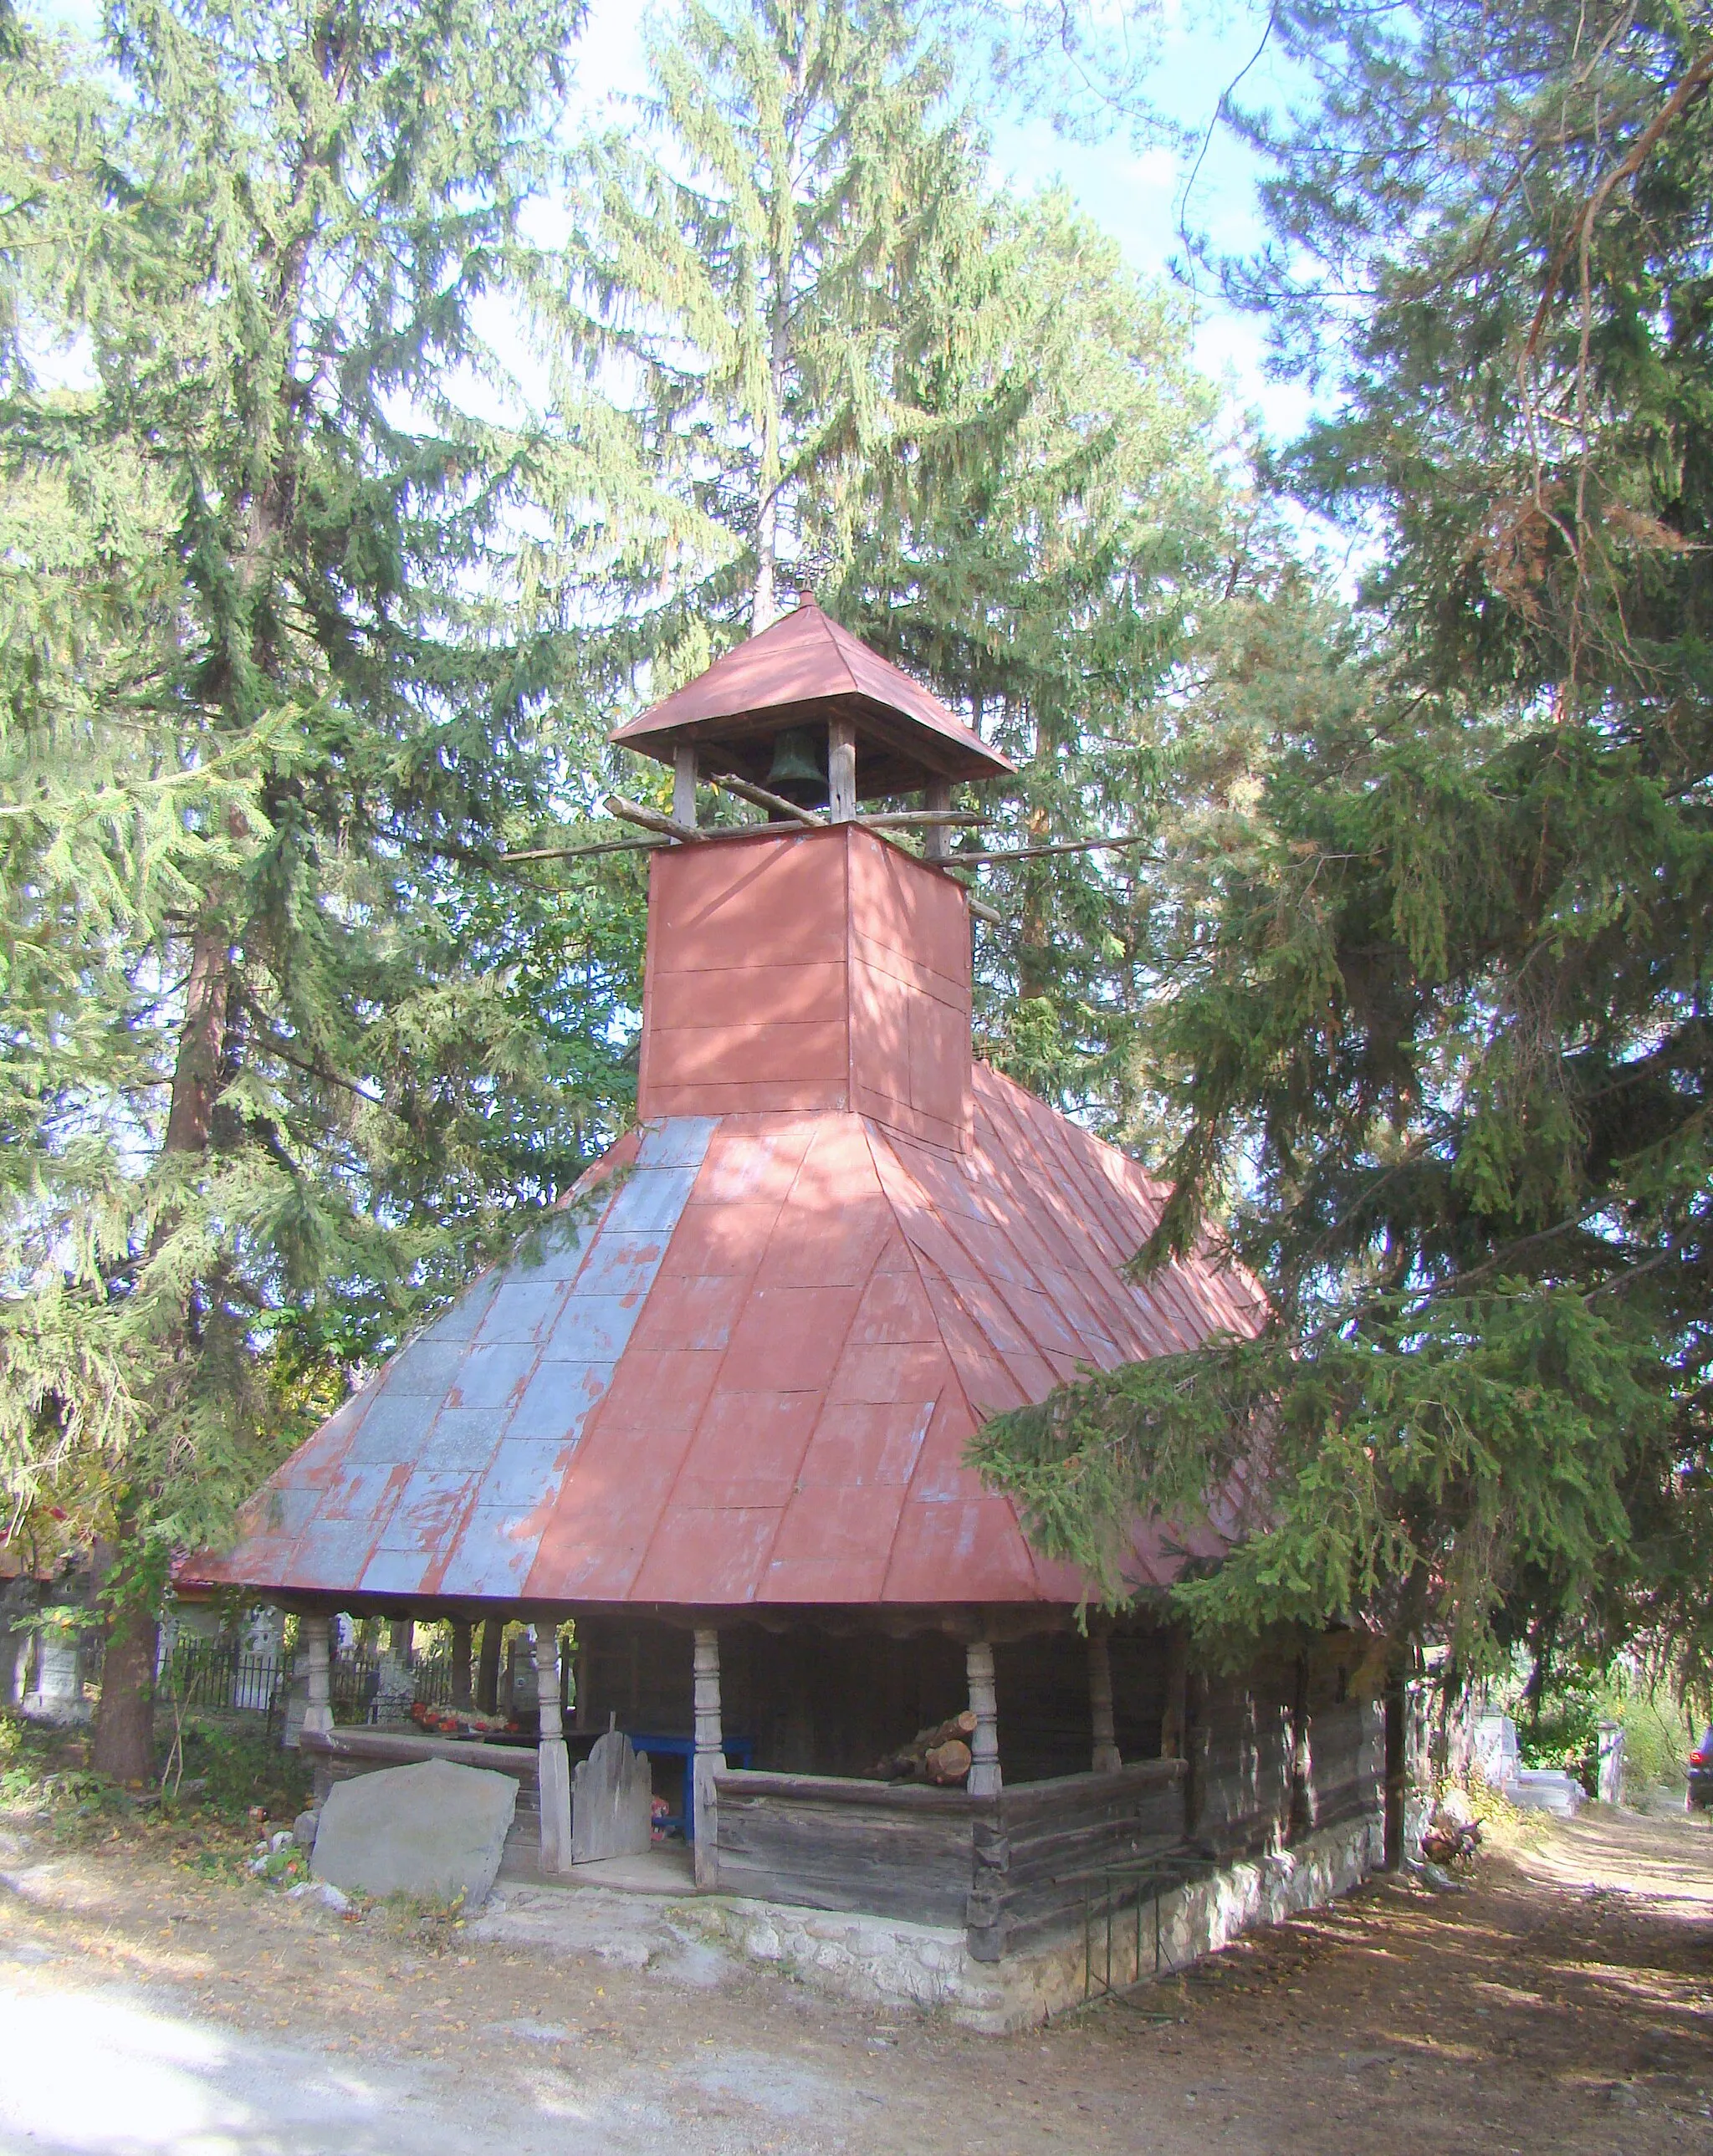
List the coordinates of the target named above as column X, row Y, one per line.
column 1038, row 853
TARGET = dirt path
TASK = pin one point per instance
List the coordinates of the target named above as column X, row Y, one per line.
column 1565, row 2003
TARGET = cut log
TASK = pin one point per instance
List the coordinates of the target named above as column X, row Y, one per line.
column 949, row 1762
column 910, row 1762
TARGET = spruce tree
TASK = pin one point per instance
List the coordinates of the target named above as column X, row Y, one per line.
column 1437, row 1034
column 277, row 666
column 808, row 339
column 1050, row 541
column 743, row 262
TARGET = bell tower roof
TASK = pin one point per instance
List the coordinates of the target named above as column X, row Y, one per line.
column 805, row 671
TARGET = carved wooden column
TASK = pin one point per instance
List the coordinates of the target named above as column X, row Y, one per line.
column 985, row 1778
column 318, row 1714
column 1105, row 1759
column 462, row 1629
column 555, row 1768
column 842, row 771
column 709, row 1757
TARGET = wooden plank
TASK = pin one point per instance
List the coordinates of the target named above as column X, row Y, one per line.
column 822, row 1857
column 738, row 1784
column 1023, row 1800
column 380, row 1747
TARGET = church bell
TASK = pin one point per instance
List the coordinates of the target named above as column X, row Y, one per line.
column 796, row 773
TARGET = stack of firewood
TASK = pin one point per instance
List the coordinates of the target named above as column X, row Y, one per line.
column 940, row 1754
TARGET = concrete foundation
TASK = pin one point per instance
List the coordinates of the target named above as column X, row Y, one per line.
column 887, row 1962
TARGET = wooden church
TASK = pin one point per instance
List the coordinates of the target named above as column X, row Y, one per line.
column 717, row 1416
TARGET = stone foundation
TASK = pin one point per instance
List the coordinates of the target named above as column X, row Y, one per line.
column 886, row 1962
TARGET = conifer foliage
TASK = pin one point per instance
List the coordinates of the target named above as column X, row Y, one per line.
column 1438, row 1024
column 272, row 695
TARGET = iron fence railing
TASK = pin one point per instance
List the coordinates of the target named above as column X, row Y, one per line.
column 1116, row 1892
column 220, row 1677
column 433, row 1680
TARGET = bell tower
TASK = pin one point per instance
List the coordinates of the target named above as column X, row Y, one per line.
column 808, row 963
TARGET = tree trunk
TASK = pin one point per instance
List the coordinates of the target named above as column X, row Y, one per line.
column 461, row 1661
column 124, row 1746
column 764, row 604
column 125, row 1719
column 487, row 1682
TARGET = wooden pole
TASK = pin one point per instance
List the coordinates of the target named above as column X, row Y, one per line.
column 461, row 1629
column 1300, row 1817
column 318, row 1714
column 651, row 820
column 985, row 1779
column 1174, row 1720
column 761, row 797
column 684, row 783
column 553, row 1764
column 842, row 771
column 1106, row 1759
column 938, row 799
column 709, row 1757
column 1040, row 853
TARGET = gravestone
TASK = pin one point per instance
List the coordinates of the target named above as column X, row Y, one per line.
column 434, row 1829
column 612, row 1793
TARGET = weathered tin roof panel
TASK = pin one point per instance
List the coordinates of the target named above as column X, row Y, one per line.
column 748, row 1377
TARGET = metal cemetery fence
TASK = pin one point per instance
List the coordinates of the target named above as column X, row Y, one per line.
column 218, row 1676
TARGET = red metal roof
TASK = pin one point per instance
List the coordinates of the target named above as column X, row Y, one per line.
column 799, row 669
column 748, row 1378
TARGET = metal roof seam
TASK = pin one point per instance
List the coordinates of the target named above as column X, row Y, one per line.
column 766, row 1556
column 1132, row 1313
column 879, row 1137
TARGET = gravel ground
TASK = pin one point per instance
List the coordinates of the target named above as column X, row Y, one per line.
column 1565, row 2002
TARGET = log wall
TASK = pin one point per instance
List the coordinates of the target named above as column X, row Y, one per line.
column 1011, row 1869
column 1037, row 1851
column 824, row 1843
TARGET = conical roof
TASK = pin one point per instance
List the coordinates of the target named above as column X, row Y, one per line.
column 802, row 671
column 742, row 1371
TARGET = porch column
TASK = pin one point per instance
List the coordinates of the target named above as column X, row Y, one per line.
column 709, row 1757
column 1106, row 1759
column 318, row 1714
column 555, row 1768
column 461, row 1661
column 985, row 1778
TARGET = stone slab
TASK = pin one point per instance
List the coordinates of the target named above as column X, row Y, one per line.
column 434, row 1830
